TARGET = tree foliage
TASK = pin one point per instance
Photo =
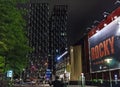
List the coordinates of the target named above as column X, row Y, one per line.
column 2, row 64
column 13, row 40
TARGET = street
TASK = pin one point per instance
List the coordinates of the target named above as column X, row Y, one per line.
column 46, row 85
column 30, row 85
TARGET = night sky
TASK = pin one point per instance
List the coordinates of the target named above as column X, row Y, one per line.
column 83, row 13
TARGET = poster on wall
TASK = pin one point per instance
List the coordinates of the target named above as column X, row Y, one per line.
column 104, row 48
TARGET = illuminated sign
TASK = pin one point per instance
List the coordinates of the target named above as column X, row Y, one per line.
column 9, row 73
column 62, row 55
column 102, row 49
column 103, row 45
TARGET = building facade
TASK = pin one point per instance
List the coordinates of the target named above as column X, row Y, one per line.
column 58, row 34
column 38, row 33
column 47, row 33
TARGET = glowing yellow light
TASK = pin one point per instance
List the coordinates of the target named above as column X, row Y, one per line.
column 108, row 60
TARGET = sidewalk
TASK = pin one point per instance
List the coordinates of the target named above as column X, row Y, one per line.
column 79, row 86
column 46, row 85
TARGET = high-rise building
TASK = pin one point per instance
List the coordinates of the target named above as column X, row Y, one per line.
column 58, row 37
column 38, row 33
column 47, row 33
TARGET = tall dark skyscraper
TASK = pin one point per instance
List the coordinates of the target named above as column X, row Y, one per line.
column 47, row 33
column 38, row 33
column 58, row 35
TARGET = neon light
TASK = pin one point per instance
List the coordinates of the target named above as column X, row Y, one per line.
column 62, row 55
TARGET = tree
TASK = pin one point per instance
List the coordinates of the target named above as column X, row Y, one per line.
column 2, row 64
column 13, row 39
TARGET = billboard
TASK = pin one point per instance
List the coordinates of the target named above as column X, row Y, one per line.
column 105, row 45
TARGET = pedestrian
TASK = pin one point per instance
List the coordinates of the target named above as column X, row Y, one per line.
column 57, row 82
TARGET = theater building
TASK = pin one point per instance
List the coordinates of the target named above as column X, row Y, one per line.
column 98, row 53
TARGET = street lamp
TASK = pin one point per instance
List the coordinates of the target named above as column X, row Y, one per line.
column 108, row 61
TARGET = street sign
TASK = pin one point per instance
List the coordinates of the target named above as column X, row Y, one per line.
column 9, row 73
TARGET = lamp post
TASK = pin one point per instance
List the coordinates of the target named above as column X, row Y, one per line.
column 108, row 61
